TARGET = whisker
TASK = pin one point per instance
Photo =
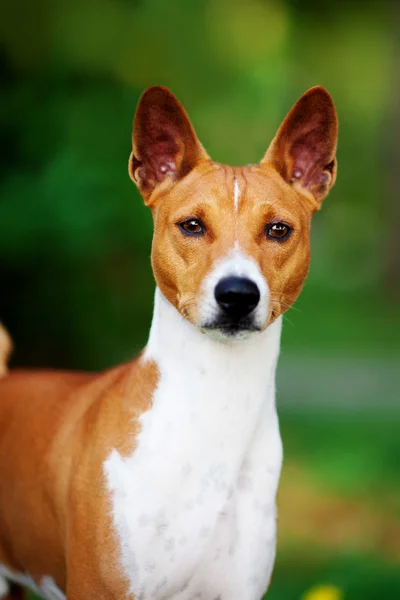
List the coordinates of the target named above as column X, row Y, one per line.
column 277, row 297
column 286, row 318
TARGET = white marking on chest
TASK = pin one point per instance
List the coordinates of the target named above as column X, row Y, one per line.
column 194, row 505
column 46, row 589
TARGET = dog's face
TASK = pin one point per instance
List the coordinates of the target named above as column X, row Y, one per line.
column 231, row 245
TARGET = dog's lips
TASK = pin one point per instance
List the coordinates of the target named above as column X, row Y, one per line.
column 232, row 327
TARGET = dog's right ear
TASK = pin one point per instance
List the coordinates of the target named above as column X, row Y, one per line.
column 164, row 145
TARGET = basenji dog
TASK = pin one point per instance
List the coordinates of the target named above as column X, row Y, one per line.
column 156, row 480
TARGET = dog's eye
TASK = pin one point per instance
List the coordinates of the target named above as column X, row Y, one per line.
column 278, row 231
column 192, row 227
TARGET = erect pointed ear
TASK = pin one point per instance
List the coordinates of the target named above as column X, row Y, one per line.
column 164, row 144
column 304, row 149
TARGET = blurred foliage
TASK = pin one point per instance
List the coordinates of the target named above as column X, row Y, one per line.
column 75, row 279
column 74, row 235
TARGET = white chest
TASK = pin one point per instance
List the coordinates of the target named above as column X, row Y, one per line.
column 194, row 506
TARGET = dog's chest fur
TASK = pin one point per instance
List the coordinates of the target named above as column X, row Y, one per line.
column 194, row 505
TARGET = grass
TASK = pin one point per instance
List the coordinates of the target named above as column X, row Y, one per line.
column 351, row 452
column 358, row 576
column 339, row 505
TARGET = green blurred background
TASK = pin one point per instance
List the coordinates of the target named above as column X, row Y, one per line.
column 75, row 280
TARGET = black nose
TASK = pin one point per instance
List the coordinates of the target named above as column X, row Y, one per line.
column 237, row 296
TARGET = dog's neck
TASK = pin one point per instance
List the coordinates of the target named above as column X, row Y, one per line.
column 210, row 434
column 199, row 363
column 173, row 338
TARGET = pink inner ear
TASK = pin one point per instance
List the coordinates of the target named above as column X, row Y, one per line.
column 310, row 156
column 160, row 160
column 303, row 150
column 164, row 141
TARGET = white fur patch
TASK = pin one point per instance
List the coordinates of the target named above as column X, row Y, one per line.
column 194, row 505
column 236, row 195
column 236, row 198
column 46, row 589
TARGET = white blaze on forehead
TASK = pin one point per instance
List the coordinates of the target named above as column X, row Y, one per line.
column 236, row 194
column 236, row 198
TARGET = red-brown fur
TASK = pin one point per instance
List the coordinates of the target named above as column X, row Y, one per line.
column 56, row 429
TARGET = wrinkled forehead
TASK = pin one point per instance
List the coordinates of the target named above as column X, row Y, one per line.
column 235, row 192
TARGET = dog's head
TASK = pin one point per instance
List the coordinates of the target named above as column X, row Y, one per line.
column 231, row 245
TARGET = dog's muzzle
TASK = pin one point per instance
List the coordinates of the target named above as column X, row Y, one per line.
column 234, row 299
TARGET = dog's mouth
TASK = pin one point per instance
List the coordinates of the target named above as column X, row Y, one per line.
column 231, row 328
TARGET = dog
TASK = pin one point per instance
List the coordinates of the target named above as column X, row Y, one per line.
column 157, row 479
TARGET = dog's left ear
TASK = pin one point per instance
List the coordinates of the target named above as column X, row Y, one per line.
column 164, row 144
column 304, row 149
